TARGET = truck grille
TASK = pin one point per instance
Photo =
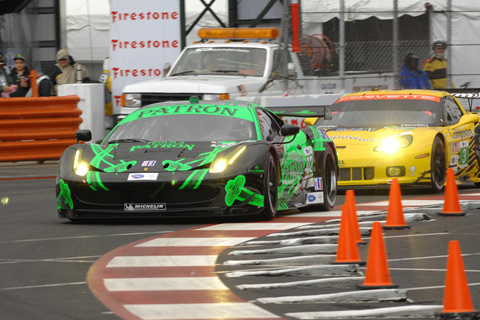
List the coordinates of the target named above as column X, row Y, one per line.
column 149, row 98
column 357, row 174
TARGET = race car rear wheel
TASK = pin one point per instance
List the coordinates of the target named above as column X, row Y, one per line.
column 271, row 189
column 438, row 166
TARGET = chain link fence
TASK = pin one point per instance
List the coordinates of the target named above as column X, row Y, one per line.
column 374, row 36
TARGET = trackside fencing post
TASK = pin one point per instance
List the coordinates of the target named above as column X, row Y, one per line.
column 37, row 128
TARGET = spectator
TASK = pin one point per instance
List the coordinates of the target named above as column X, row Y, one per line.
column 436, row 66
column 44, row 84
column 20, row 77
column 411, row 77
column 6, row 83
column 69, row 68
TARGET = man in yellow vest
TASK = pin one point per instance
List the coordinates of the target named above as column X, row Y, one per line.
column 436, row 66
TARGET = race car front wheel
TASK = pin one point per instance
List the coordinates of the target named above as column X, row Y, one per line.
column 271, row 189
column 438, row 166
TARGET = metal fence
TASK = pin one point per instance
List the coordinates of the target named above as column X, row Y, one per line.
column 374, row 36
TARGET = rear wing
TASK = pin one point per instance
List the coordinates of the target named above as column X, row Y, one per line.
column 303, row 111
column 468, row 94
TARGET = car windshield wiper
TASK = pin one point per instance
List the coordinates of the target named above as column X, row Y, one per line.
column 128, row 140
column 184, row 72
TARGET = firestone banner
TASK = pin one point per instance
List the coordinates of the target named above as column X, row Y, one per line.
column 144, row 35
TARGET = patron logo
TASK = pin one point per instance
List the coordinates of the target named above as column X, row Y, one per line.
column 144, row 206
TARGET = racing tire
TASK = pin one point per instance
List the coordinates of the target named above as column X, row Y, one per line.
column 270, row 190
column 438, row 166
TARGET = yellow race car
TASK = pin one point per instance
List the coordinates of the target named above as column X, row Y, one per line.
column 410, row 135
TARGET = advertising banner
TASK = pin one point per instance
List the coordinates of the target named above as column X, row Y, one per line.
column 144, row 35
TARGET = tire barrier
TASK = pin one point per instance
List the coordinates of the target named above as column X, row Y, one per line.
column 37, row 128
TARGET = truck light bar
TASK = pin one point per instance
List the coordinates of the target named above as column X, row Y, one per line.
column 238, row 33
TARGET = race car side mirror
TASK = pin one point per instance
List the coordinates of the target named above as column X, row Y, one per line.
column 466, row 119
column 83, row 135
column 289, row 129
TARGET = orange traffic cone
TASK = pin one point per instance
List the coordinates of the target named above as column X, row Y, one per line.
column 456, row 299
column 350, row 201
column 395, row 219
column 347, row 249
column 451, row 204
column 377, row 275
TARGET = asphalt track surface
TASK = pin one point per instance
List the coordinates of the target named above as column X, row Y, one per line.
column 236, row 270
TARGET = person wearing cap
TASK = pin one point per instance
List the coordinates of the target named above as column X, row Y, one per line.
column 69, row 68
column 436, row 66
column 6, row 83
column 411, row 77
column 20, row 76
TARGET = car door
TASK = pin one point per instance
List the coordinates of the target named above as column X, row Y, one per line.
column 460, row 140
column 296, row 159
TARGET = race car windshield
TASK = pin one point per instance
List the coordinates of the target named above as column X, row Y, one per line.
column 383, row 113
column 221, row 61
column 185, row 127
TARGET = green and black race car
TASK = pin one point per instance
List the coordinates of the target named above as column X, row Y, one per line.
column 198, row 158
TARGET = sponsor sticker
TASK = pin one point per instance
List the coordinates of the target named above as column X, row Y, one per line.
column 142, row 176
column 308, row 151
column 318, row 186
column 148, row 163
column 144, row 206
column 315, row 197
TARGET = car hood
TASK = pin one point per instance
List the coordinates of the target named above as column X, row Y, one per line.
column 153, row 156
column 370, row 136
column 200, row 83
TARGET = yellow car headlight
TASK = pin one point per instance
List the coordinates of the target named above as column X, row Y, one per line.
column 219, row 165
column 393, row 144
column 79, row 166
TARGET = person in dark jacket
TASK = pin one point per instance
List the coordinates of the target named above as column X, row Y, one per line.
column 19, row 77
column 411, row 77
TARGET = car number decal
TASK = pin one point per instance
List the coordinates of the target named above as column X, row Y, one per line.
column 464, row 153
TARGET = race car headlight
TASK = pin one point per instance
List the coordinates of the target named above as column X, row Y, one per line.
column 79, row 166
column 393, row 144
column 219, row 165
column 132, row 100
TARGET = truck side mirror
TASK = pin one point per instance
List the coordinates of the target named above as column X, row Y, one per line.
column 166, row 68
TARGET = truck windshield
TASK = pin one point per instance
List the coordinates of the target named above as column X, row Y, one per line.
column 221, row 61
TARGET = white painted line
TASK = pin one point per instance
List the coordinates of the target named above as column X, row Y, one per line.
column 162, row 261
column 87, row 237
column 400, row 312
column 333, row 213
column 405, row 202
column 46, row 286
column 433, row 257
column 194, row 242
column 417, row 235
column 164, row 284
column 198, row 311
column 253, row 226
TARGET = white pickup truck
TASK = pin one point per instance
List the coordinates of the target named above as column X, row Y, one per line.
column 248, row 71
